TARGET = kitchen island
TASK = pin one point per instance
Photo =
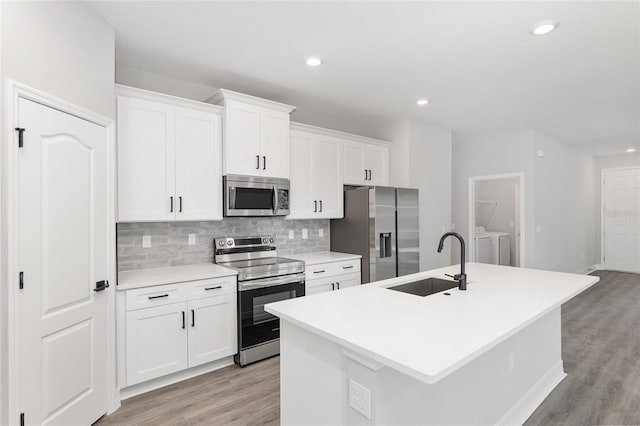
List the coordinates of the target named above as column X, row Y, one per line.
column 373, row 355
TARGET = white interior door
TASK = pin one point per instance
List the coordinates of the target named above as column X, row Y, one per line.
column 62, row 253
column 198, row 165
column 621, row 214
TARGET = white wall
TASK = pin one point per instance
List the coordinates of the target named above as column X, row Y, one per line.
column 612, row 162
column 64, row 49
column 421, row 158
column 559, row 193
column 487, row 155
column 498, row 214
column 565, row 197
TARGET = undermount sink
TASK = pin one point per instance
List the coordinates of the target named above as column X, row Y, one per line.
column 425, row 287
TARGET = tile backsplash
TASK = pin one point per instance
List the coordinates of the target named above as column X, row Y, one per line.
column 169, row 240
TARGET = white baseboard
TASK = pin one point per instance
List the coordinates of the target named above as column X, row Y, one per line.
column 520, row 412
column 590, row 269
column 170, row 379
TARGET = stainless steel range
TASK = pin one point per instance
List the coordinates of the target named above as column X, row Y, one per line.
column 263, row 278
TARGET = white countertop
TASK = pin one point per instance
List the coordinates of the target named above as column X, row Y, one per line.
column 430, row 337
column 128, row 280
column 323, row 257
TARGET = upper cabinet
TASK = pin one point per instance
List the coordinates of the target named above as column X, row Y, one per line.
column 256, row 135
column 169, row 158
column 366, row 164
column 316, row 175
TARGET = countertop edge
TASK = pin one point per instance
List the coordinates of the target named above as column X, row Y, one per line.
column 427, row 378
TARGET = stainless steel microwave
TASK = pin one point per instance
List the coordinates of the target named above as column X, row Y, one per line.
column 255, row 196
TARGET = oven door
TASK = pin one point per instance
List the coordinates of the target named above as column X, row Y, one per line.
column 256, row 325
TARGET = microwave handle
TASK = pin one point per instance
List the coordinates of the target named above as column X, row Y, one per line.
column 232, row 197
column 275, row 199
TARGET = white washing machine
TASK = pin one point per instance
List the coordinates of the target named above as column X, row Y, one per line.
column 497, row 250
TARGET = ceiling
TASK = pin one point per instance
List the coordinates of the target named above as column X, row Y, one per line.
column 475, row 61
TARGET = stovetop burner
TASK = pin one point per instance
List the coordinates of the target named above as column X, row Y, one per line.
column 254, row 258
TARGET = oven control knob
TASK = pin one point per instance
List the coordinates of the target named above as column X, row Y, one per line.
column 271, row 240
column 229, row 243
column 264, row 241
column 221, row 243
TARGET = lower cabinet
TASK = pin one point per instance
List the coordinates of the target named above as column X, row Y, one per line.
column 167, row 338
column 156, row 342
column 332, row 276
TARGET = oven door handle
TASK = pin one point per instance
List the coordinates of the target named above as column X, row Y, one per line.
column 270, row 282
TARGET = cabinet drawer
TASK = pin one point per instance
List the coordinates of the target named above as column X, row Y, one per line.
column 331, row 269
column 155, row 296
column 211, row 287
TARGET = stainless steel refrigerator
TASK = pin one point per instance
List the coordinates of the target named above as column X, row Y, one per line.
column 381, row 224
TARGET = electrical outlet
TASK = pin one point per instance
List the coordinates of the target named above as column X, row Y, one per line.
column 305, row 234
column 291, row 234
column 512, row 361
column 360, row 398
column 321, row 232
column 192, row 239
column 146, row 241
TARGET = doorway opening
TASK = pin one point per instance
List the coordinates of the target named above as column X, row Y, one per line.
column 496, row 219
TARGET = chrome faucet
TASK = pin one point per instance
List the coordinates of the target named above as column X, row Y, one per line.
column 461, row 277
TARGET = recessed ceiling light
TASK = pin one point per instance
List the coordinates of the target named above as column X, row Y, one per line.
column 422, row 101
column 314, row 61
column 545, row 27
column 630, row 150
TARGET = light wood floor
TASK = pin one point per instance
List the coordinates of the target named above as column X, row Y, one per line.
column 600, row 349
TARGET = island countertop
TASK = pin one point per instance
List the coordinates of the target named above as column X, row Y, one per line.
column 430, row 337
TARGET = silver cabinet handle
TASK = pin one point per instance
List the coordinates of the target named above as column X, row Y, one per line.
column 171, row 204
column 365, row 174
column 257, row 162
column 338, row 284
column 347, row 267
column 333, row 286
column 320, row 206
column 180, row 204
column 158, row 297
column 319, row 272
column 264, row 162
column 370, row 174
column 213, row 288
column 315, row 206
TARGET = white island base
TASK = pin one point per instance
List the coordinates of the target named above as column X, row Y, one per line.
column 373, row 356
column 502, row 386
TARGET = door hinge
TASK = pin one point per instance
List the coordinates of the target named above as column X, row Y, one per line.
column 21, row 419
column 21, row 280
column 20, row 131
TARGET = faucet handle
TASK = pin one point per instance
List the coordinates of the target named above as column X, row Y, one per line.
column 449, row 275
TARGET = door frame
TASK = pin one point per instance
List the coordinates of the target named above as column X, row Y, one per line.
column 472, row 211
column 602, row 242
column 14, row 91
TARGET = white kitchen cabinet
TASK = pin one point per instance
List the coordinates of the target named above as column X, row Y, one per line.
column 316, row 176
column 212, row 325
column 256, row 135
column 169, row 158
column 330, row 276
column 366, row 164
column 146, row 171
column 156, row 340
column 161, row 337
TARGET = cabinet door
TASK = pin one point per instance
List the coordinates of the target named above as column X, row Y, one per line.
column 354, row 166
column 146, row 160
column 212, row 329
column 327, row 178
column 376, row 160
column 302, row 175
column 347, row 280
column 198, row 165
column 321, row 285
column 242, row 139
column 156, row 342
column 274, row 143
